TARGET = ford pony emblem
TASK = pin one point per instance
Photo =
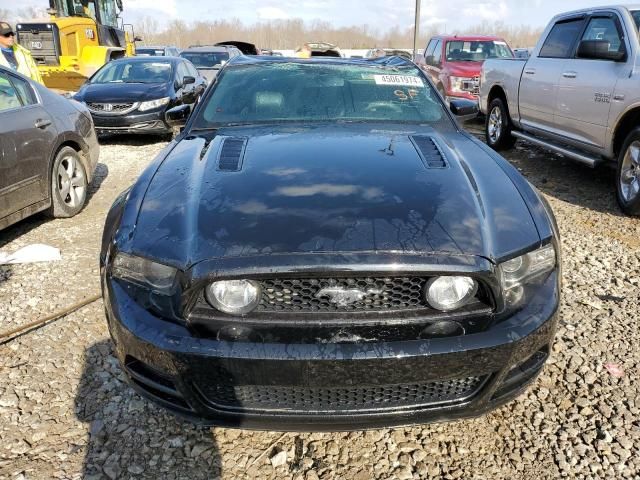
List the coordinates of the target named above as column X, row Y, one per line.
column 346, row 296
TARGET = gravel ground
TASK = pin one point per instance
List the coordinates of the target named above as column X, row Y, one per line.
column 65, row 411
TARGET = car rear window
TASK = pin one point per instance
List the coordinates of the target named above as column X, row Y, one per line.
column 206, row 59
column 151, row 71
column 150, row 52
column 298, row 92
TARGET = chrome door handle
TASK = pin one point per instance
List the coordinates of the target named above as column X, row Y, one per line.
column 530, row 71
column 42, row 123
column 569, row 74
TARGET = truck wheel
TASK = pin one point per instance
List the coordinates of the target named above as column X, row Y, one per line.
column 68, row 184
column 628, row 175
column 498, row 126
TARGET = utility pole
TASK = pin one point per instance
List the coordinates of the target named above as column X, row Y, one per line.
column 416, row 29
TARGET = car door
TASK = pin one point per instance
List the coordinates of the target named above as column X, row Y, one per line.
column 27, row 135
column 541, row 76
column 586, row 86
column 182, row 92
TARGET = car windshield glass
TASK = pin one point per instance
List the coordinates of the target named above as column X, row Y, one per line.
column 206, row 59
column 477, row 51
column 636, row 17
column 299, row 92
column 151, row 52
column 151, row 71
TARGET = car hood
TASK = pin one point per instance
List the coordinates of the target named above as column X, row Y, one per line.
column 122, row 92
column 465, row 69
column 349, row 188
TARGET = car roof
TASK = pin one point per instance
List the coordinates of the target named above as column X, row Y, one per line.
column 147, row 59
column 155, row 46
column 467, row 38
column 206, row 48
column 569, row 13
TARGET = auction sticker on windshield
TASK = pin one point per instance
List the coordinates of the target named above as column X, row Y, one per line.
column 406, row 80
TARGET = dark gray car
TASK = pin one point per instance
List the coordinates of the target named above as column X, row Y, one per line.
column 48, row 150
column 210, row 59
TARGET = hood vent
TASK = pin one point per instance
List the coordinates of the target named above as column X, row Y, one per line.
column 231, row 154
column 430, row 152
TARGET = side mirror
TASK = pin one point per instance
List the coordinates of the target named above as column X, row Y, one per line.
column 599, row 50
column 188, row 80
column 464, row 108
column 178, row 116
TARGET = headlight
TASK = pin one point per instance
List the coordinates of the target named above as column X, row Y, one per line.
column 520, row 270
column 151, row 104
column 154, row 276
column 517, row 272
column 234, row 296
column 461, row 84
column 450, row 292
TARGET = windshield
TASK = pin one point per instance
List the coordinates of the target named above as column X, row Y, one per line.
column 206, row 59
column 477, row 51
column 297, row 92
column 149, row 52
column 151, row 71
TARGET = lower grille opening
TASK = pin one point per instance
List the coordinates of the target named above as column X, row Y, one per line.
column 158, row 385
column 522, row 373
column 322, row 400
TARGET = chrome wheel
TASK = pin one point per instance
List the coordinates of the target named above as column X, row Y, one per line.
column 494, row 126
column 72, row 185
column 630, row 172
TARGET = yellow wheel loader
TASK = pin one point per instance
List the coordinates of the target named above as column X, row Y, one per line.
column 80, row 37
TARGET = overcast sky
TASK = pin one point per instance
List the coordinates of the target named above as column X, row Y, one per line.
column 379, row 14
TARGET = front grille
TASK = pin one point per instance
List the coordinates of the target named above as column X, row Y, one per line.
column 361, row 398
column 321, row 294
column 112, row 108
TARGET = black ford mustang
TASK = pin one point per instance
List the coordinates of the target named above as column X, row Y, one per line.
column 322, row 247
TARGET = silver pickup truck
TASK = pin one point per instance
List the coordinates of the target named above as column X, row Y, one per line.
column 578, row 94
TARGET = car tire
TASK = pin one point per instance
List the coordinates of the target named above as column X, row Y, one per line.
column 497, row 127
column 68, row 184
column 628, row 174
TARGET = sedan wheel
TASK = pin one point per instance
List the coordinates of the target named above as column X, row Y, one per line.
column 68, row 184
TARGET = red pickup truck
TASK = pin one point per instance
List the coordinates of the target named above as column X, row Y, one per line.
column 453, row 63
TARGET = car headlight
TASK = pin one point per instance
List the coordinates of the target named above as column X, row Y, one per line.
column 154, row 276
column 151, row 104
column 461, row 84
column 517, row 272
column 236, row 297
column 450, row 292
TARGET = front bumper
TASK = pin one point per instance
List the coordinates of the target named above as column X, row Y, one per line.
column 464, row 95
column 165, row 362
column 135, row 122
